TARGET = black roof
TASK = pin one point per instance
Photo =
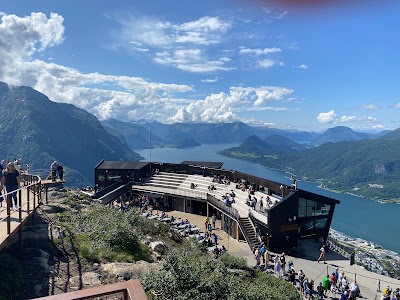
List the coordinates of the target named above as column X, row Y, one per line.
column 122, row 165
column 207, row 164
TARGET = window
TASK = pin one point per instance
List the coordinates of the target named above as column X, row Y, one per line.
column 320, row 223
column 308, row 208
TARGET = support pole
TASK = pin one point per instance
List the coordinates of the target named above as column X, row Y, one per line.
column 8, row 214
column 28, row 190
column 46, row 187
column 20, row 205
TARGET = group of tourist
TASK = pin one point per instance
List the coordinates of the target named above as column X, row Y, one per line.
column 221, row 179
column 55, row 169
column 389, row 294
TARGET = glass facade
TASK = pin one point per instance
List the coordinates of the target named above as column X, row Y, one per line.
column 310, row 208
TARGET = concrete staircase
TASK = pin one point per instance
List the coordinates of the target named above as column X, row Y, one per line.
column 251, row 237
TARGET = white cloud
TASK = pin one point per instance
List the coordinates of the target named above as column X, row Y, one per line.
column 2, row 14
column 305, row 67
column 327, row 118
column 259, row 51
column 152, row 32
column 369, row 107
column 224, row 107
column 210, row 80
column 379, row 126
column 397, row 105
column 191, row 60
column 268, row 63
column 331, row 118
column 265, row 94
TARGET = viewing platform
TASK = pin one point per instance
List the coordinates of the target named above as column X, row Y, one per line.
column 289, row 215
column 29, row 196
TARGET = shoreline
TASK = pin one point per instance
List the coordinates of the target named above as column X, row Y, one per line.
column 318, row 182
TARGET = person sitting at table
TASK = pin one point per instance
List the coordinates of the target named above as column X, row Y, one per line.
column 186, row 221
column 162, row 215
column 227, row 202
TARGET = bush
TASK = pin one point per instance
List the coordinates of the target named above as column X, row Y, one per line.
column 193, row 274
column 104, row 233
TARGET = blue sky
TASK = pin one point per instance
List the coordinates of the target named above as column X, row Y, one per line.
column 210, row 61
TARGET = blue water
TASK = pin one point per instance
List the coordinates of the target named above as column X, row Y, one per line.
column 354, row 216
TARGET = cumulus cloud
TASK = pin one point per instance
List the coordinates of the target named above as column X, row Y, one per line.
column 223, row 107
column 327, row 118
column 331, row 117
column 304, row 67
column 369, row 107
column 191, row 60
column 259, row 51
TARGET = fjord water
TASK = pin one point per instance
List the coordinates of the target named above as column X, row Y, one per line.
column 354, row 216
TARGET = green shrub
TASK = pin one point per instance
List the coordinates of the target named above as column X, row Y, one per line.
column 193, row 274
column 104, row 233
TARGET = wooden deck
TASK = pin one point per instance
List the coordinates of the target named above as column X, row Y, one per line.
column 29, row 198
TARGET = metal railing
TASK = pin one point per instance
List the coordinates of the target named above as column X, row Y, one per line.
column 257, row 217
column 107, row 190
column 246, row 233
column 116, row 193
column 28, row 196
column 130, row 290
column 232, row 212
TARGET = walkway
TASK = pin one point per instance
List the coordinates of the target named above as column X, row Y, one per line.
column 29, row 202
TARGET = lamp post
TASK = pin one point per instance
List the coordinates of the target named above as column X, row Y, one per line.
column 281, row 188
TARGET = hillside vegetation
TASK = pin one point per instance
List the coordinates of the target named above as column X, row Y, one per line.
column 369, row 167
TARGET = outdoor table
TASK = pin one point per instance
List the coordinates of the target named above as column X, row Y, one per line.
column 153, row 217
column 183, row 226
column 166, row 219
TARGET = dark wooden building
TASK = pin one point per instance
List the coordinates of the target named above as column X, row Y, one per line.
column 108, row 172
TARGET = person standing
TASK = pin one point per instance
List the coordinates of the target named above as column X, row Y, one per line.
column 323, row 255
column 1, row 188
column 283, row 261
column 53, row 169
column 266, row 257
column 213, row 219
column 60, row 171
column 12, row 181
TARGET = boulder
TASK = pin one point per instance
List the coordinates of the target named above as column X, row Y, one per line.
column 88, row 279
column 56, row 232
column 158, row 246
column 128, row 271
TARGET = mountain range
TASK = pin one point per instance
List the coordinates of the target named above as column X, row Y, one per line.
column 40, row 131
column 367, row 167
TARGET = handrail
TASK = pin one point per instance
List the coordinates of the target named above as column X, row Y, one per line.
column 245, row 233
column 30, row 183
column 131, row 289
column 233, row 212
column 106, row 190
column 116, row 193
column 255, row 215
